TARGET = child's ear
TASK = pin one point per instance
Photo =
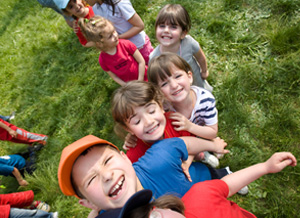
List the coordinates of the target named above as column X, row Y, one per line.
column 86, row 203
column 190, row 76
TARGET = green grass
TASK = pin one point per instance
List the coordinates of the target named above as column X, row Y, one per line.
column 252, row 47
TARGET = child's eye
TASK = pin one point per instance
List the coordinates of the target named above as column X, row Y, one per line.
column 174, row 26
column 107, row 160
column 137, row 122
column 151, row 111
column 163, row 84
column 162, row 25
column 91, row 180
column 178, row 76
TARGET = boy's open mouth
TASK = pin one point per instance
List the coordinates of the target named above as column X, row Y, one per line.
column 117, row 188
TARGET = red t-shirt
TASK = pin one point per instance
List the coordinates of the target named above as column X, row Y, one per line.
column 141, row 147
column 209, row 199
column 79, row 34
column 17, row 199
column 122, row 63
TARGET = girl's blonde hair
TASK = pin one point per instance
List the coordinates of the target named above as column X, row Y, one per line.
column 133, row 94
column 159, row 67
column 93, row 28
column 174, row 14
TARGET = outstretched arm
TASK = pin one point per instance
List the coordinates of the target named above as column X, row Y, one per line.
column 274, row 164
column 20, row 179
column 200, row 57
column 9, row 130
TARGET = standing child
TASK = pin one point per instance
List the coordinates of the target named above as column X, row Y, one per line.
column 119, row 57
column 77, row 9
column 172, row 26
column 127, row 22
column 196, row 106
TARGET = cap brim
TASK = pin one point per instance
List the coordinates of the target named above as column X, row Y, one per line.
column 68, row 157
column 139, row 199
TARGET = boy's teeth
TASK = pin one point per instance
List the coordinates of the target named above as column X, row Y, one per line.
column 117, row 188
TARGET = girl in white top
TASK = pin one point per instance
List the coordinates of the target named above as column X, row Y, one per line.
column 126, row 21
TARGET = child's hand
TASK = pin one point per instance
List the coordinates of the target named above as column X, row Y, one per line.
column 130, row 141
column 205, row 74
column 181, row 122
column 13, row 133
column 279, row 161
column 186, row 166
column 75, row 27
column 23, row 182
column 220, row 145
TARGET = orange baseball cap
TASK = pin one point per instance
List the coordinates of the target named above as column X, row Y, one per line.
column 69, row 156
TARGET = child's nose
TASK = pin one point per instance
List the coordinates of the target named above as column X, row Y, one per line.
column 147, row 120
column 173, row 84
column 107, row 175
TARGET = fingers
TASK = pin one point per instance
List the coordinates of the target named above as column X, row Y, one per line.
column 187, row 174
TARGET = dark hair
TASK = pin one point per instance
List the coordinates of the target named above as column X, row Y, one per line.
column 174, row 14
column 163, row 202
column 112, row 3
column 160, row 67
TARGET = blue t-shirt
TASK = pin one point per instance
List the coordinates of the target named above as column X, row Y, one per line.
column 8, row 162
column 160, row 169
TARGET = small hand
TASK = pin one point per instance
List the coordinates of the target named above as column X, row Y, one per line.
column 279, row 161
column 23, row 182
column 13, row 133
column 186, row 165
column 220, row 146
column 130, row 141
column 204, row 75
column 181, row 122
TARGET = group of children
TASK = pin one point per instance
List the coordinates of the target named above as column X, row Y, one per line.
column 21, row 204
column 166, row 106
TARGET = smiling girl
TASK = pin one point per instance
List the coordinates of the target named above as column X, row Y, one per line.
column 172, row 26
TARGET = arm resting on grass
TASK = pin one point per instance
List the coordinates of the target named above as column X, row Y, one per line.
column 274, row 164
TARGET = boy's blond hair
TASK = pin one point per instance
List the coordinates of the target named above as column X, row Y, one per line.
column 133, row 94
column 159, row 67
column 174, row 14
column 93, row 29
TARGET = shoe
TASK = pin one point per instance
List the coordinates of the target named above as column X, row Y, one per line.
column 55, row 215
column 210, row 159
column 42, row 206
column 242, row 191
column 12, row 116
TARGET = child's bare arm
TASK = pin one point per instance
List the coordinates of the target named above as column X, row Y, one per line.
column 17, row 174
column 137, row 26
column 274, row 164
column 182, row 123
column 200, row 57
column 196, row 145
column 140, row 60
column 9, row 130
column 115, row 78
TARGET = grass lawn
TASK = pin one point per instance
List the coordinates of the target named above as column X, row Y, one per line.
column 57, row 88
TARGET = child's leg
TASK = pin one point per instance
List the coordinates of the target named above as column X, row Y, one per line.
column 18, row 213
column 146, row 49
column 26, row 137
